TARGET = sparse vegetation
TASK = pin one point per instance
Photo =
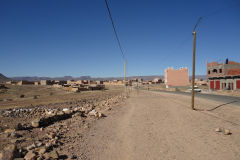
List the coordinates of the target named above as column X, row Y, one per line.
column 177, row 89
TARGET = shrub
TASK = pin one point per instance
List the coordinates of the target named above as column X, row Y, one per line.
column 177, row 89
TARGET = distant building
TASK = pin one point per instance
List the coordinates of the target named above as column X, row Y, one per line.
column 157, row 80
column 177, row 77
column 24, row 83
column 223, row 76
column 46, row 82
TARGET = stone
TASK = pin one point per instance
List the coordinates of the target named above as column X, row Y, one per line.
column 42, row 151
column 9, row 131
column 51, row 135
column 8, row 152
column 218, row 130
column 67, row 111
column 60, row 113
column 227, row 132
column 93, row 113
column 15, row 135
column 32, row 146
column 100, row 115
column 38, row 144
column 30, row 156
column 73, row 157
column 53, row 154
column 36, row 123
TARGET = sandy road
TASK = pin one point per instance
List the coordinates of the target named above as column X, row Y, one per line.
column 162, row 126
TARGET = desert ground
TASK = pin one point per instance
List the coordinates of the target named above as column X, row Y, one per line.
column 146, row 125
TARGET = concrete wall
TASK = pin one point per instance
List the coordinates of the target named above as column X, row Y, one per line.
column 176, row 77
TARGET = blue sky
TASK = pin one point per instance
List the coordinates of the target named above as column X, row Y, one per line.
column 75, row 37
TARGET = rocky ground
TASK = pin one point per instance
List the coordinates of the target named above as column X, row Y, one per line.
column 48, row 131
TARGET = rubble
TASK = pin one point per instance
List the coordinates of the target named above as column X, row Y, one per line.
column 43, row 128
column 30, row 156
column 8, row 152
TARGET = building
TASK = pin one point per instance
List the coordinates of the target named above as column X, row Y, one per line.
column 177, row 77
column 223, row 76
column 46, row 82
column 157, row 80
column 23, row 82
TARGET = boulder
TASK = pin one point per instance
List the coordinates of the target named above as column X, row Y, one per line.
column 8, row 152
column 53, row 154
column 32, row 146
column 30, row 156
column 218, row 130
column 227, row 132
column 36, row 123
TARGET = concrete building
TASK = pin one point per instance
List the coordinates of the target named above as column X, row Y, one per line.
column 177, row 77
column 223, row 76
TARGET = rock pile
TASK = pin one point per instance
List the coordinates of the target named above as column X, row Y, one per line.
column 52, row 124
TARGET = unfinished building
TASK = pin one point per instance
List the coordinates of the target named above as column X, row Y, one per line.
column 223, row 76
column 177, row 77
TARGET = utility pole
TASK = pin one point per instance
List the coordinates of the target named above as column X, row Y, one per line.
column 125, row 83
column 193, row 67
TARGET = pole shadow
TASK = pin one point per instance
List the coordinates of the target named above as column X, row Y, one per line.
column 221, row 106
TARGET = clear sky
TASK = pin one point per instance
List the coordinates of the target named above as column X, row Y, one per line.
column 75, row 37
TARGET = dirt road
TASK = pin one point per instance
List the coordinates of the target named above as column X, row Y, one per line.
column 157, row 126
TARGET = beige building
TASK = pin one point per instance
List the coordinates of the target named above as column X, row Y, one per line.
column 177, row 77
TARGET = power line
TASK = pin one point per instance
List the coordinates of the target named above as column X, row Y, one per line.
column 115, row 31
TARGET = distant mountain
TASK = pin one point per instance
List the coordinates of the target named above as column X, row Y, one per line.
column 35, row 78
column 3, row 78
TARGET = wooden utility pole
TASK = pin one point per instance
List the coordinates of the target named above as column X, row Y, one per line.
column 193, row 68
column 125, row 83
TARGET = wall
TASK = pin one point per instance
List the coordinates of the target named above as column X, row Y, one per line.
column 176, row 77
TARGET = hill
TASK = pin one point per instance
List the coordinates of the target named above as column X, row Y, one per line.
column 3, row 78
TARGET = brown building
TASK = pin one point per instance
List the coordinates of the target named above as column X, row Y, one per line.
column 177, row 77
column 223, row 75
column 24, row 83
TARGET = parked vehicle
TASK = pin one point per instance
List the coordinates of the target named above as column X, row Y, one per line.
column 196, row 89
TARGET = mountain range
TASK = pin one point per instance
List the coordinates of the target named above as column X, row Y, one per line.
column 36, row 78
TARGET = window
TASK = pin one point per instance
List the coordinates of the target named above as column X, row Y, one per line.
column 220, row 70
column 214, row 70
column 208, row 71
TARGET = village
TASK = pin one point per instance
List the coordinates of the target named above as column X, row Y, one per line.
column 219, row 76
column 119, row 80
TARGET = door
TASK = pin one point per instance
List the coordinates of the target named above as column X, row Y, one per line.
column 238, row 84
column 211, row 84
column 217, row 84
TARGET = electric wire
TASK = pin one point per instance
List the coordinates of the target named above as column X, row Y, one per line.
column 115, row 31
